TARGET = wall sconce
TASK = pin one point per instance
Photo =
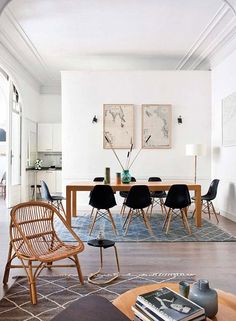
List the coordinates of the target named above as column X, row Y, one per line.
column 180, row 120
column 95, row 119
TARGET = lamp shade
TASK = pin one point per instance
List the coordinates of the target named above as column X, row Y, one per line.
column 195, row 149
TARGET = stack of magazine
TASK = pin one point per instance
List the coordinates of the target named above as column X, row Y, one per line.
column 166, row 305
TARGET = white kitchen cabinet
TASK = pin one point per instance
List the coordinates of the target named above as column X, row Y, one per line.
column 49, row 177
column 58, row 182
column 49, row 137
column 56, row 137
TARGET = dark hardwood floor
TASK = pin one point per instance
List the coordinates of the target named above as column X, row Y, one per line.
column 213, row 261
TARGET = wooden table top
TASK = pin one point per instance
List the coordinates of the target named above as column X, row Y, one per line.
column 163, row 184
column 226, row 301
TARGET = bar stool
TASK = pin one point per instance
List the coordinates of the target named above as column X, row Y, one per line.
column 38, row 189
column 103, row 244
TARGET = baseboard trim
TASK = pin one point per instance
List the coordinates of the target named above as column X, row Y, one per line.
column 228, row 215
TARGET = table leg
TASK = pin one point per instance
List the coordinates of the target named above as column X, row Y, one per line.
column 74, row 205
column 68, row 205
column 198, row 207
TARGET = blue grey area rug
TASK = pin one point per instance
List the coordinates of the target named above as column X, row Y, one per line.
column 209, row 232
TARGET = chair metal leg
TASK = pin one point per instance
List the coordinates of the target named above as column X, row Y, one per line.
column 93, row 222
column 129, row 218
column 126, row 219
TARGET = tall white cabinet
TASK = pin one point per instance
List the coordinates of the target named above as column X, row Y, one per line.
column 49, row 137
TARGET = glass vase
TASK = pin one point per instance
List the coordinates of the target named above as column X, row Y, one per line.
column 125, row 176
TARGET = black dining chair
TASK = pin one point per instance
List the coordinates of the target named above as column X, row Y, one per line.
column 157, row 196
column 124, row 194
column 55, row 200
column 96, row 179
column 137, row 200
column 102, row 198
column 178, row 198
column 206, row 199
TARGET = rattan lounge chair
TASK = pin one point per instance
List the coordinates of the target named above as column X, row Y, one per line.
column 33, row 239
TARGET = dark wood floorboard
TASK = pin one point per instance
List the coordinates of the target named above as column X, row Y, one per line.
column 213, row 261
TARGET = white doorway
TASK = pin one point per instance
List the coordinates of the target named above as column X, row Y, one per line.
column 14, row 148
column 10, row 148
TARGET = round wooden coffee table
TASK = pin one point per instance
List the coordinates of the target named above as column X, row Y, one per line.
column 227, row 301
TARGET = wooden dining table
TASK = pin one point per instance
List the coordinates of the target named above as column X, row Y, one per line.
column 73, row 188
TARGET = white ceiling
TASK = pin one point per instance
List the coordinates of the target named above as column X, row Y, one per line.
column 48, row 36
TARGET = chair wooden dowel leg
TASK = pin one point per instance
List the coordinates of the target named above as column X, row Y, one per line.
column 33, row 291
column 81, row 278
column 112, row 222
column 8, row 265
column 169, row 219
column 213, row 209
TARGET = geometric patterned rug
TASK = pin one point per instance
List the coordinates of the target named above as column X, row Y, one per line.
column 56, row 293
column 209, row 232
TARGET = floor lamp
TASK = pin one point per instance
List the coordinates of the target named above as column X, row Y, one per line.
column 195, row 150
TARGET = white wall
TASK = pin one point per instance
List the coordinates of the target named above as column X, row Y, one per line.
column 83, row 96
column 50, row 109
column 223, row 158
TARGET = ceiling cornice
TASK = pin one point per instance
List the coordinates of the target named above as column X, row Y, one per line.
column 3, row 4
column 220, row 14
column 219, row 41
column 28, row 43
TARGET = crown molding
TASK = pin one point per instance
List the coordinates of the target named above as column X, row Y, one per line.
column 41, row 73
column 3, row 4
column 204, row 35
column 227, row 35
column 15, row 69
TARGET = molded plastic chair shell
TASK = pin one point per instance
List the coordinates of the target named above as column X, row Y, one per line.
column 178, row 196
column 139, row 197
column 212, row 191
column 102, row 197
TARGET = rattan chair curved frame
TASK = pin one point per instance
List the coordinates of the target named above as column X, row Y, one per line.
column 33, row 239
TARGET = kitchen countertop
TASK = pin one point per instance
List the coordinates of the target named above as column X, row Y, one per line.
column 44, row 168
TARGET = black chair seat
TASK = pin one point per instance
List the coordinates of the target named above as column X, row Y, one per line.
column 58, row 198
column 124, row 194
column 158, row 194
column 37, row 186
